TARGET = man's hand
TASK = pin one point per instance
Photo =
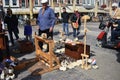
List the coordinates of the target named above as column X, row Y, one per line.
column 51, row 29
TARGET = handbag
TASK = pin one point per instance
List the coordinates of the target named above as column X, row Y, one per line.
column 102, row 25
column 75, row 24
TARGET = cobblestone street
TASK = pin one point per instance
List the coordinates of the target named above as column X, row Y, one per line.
column 108, row 60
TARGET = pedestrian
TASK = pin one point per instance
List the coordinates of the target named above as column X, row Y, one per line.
column 28, row 30
column 46, row 20
column 76, row 23
column 65, row 21
column 12, row 25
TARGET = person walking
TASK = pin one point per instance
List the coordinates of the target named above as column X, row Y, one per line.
column 28, row 30
column 65, row 19
column 12, row 25
column 46, row 20
column 76, row 23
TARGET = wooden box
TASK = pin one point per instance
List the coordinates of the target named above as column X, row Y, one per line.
column 26, row 46
column 75, row 51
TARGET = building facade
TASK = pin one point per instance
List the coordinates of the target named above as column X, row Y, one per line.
column 22, row 6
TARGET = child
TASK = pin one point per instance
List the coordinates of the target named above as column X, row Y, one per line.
column 28, row 30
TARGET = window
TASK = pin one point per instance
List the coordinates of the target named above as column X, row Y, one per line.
column 88, row 1
column 92, row 2
column 62, row 1
column 7, row 2
column 23, row 3
column 84, row 2
column 11, row 3
column 68, row 1
column 36, row 2
column 14, row 2
column 77, row 1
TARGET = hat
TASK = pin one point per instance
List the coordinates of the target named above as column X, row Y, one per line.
column 44, row 1
column 114, row 5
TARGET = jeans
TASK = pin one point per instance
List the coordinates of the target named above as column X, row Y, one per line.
column 49, row 35
column 11, row 35
column 65, row 28
column 76, row 31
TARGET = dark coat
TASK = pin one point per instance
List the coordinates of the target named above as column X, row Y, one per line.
column 12, row 23
column 65, row 17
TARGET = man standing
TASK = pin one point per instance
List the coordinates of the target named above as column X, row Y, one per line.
column 65, row 18
column 12, row 25
column 46, row 20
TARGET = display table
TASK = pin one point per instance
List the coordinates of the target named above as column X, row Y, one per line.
column 75, row 51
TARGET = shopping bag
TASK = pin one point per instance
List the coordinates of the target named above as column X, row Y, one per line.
column 75, row 24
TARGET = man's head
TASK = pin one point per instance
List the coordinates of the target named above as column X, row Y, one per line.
column 64, row 9
column 44, row 3
column 9, row 11
column 114, row 6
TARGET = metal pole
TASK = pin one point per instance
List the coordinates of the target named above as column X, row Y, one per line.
column 31, row 9
column 74, row 3
column 96, row 7
column 53, row 6
column 60, row 9
column 110, row 7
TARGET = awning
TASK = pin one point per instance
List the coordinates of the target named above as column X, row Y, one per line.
column 69, row 9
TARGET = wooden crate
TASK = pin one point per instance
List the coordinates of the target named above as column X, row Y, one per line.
column 75, row 51
column 26, row 46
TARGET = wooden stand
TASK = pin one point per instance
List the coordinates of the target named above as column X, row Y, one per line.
column 84, row 55
column 47, row 57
